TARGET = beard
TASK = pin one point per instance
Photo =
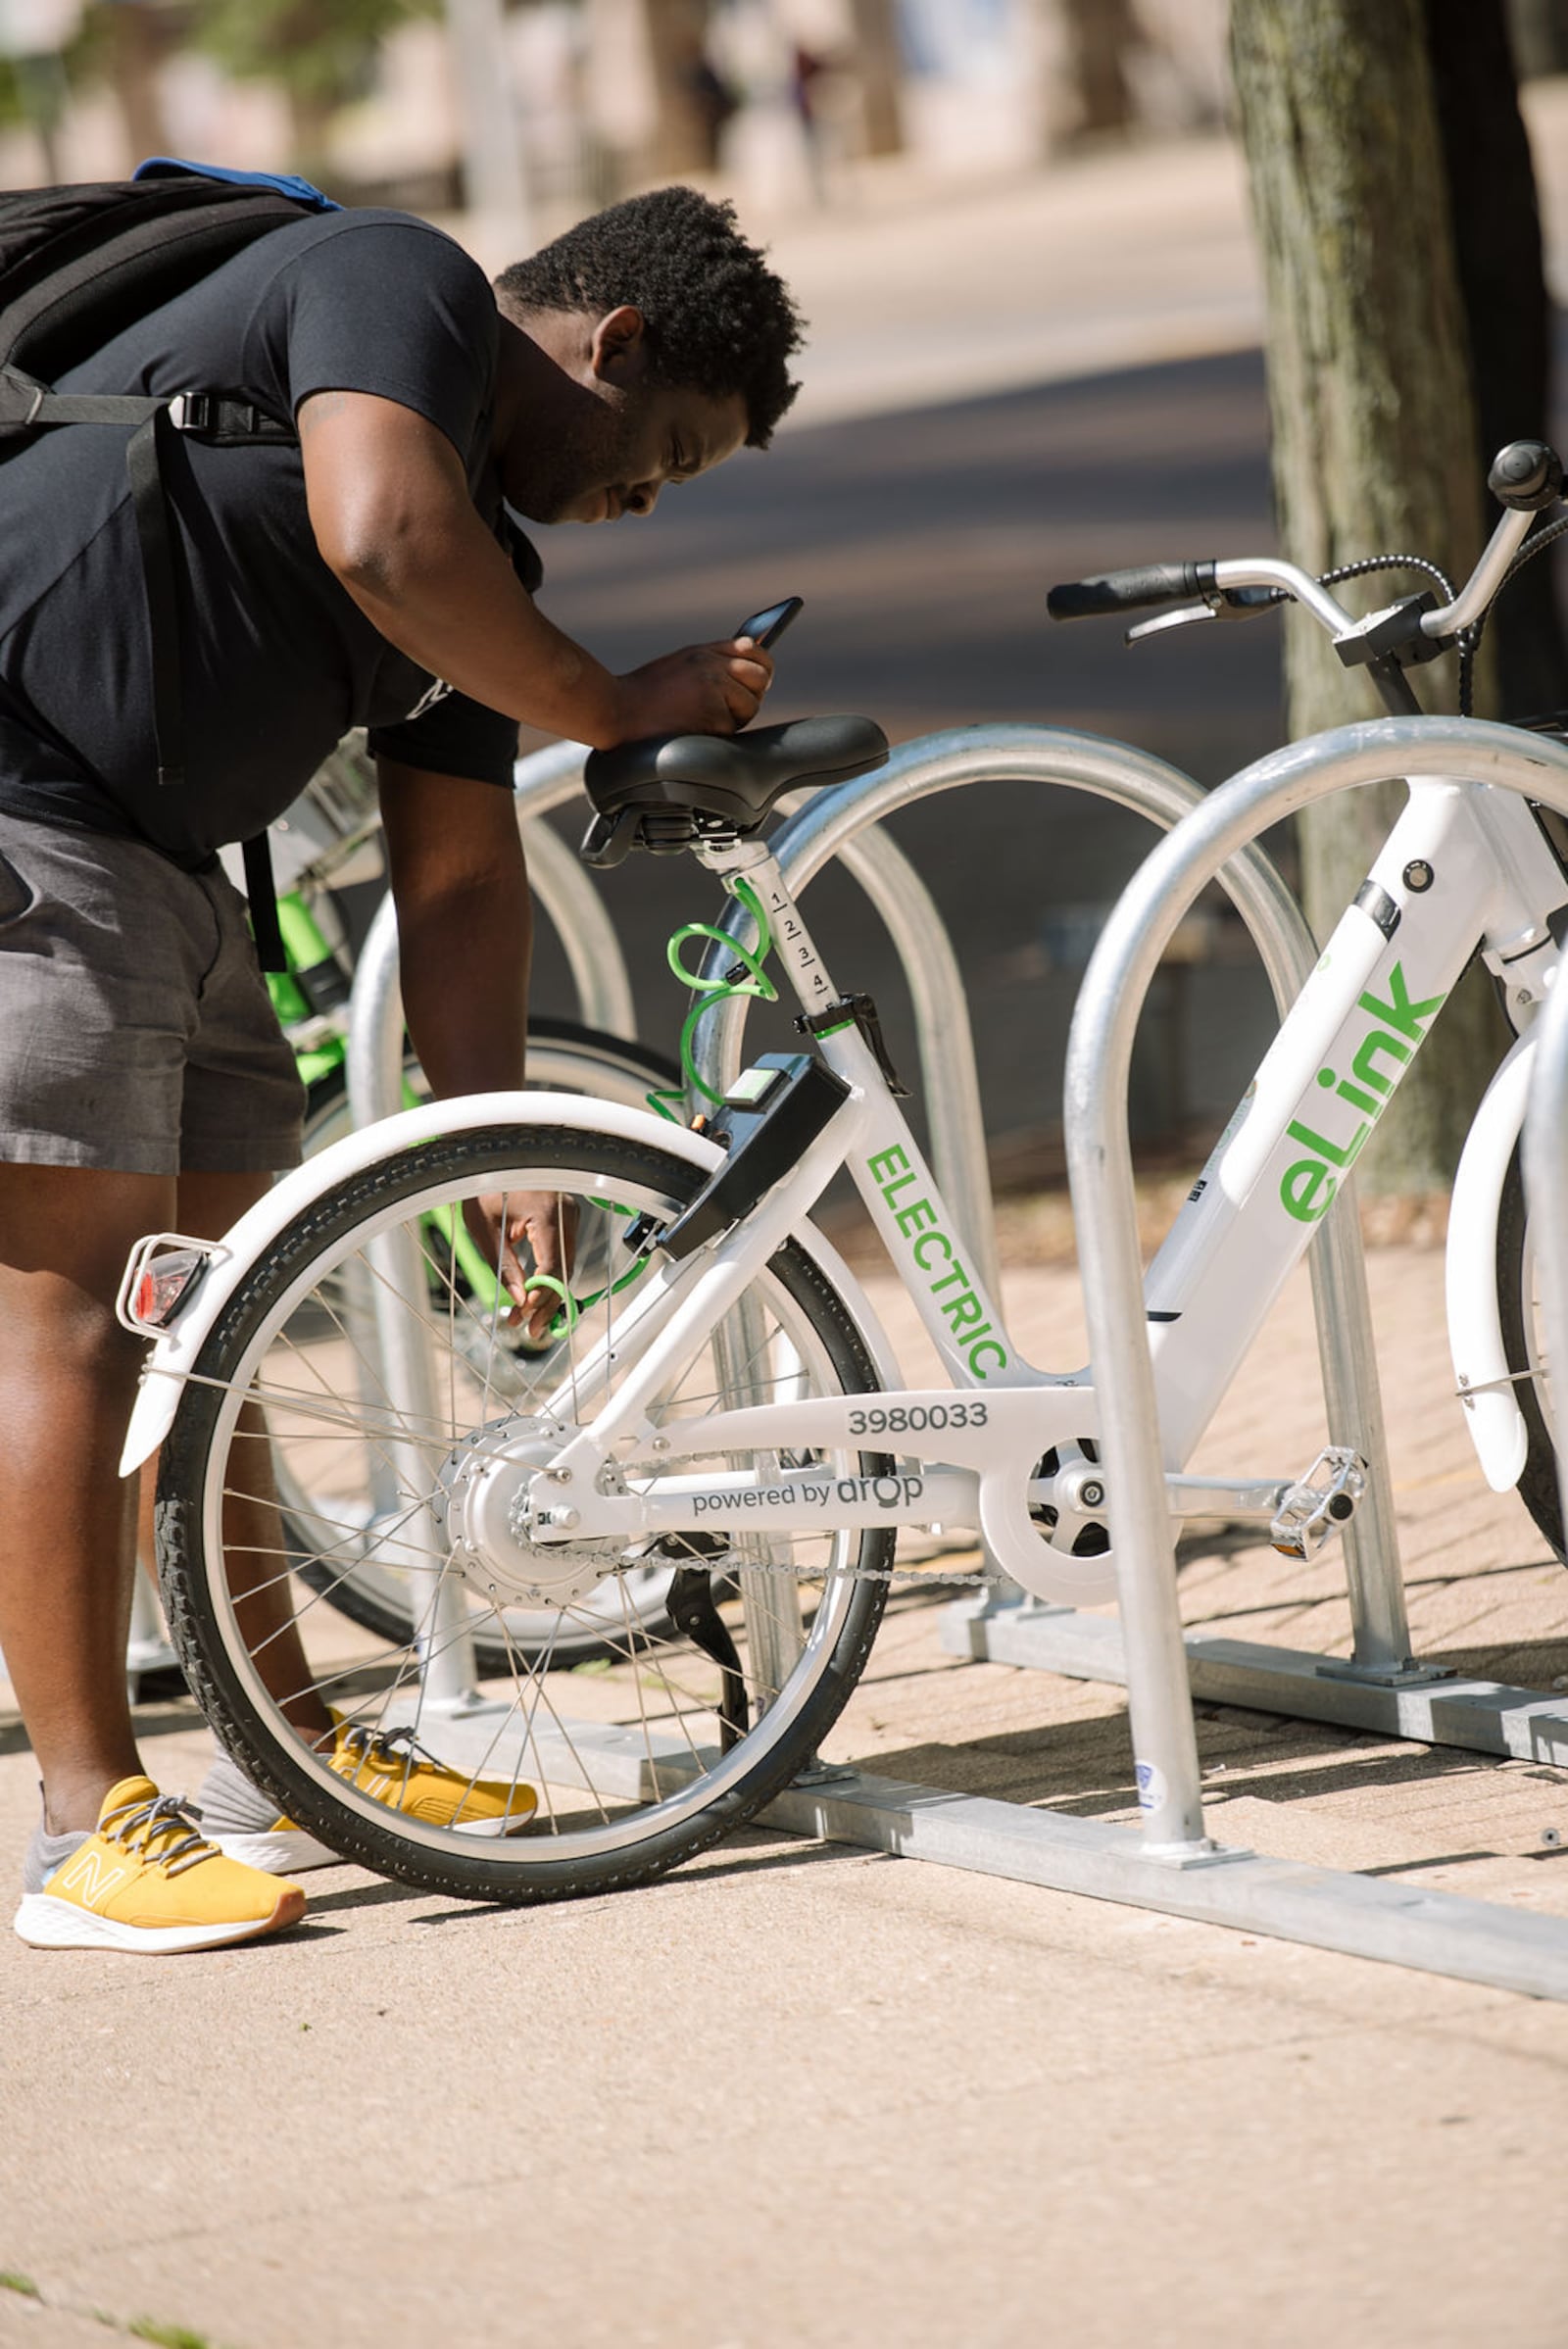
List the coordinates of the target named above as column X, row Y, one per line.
column 589, row 455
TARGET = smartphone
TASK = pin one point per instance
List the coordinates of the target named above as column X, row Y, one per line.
column 766, row 627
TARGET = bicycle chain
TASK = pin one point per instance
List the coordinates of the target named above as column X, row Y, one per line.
column 988, row 1578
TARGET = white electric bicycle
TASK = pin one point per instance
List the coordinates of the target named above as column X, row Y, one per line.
column 717, row 1397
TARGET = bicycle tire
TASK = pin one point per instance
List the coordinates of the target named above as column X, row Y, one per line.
column 568, row 1057
column 1538, row 1486
column 684, row 1796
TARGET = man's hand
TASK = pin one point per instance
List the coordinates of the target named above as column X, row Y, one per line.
column 546, row 1223
column 703, row 689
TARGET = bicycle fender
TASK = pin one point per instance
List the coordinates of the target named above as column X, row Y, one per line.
column 1475, row 1327
column 176, row 1351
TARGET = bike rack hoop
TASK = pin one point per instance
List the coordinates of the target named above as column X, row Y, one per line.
column 1101, row 1174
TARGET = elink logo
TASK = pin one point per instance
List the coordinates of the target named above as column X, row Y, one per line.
column 1307, row 1189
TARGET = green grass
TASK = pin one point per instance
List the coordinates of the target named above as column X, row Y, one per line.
column 144, row 2329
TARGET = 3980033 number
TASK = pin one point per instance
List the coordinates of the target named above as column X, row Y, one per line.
column 917, row 1419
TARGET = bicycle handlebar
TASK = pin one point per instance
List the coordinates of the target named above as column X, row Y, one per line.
column 1126, row 590
column 1525, row 477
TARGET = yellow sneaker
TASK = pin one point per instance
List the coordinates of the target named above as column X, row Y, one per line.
column 390, row 1765
column 149, row 1881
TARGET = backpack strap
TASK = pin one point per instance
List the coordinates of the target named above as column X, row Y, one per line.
column 29, row 405
column 26, row 404
column 154, row 528
column 262, row 892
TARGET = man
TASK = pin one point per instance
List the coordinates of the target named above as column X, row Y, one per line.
column 363, row 575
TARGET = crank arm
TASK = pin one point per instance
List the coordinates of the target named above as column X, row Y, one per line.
column 1239, row 1498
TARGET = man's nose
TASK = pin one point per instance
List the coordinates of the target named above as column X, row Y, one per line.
column 643, row 497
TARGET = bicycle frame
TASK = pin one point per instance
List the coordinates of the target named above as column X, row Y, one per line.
column 1462, row 866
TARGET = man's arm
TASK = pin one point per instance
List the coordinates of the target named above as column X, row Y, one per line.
column 464, row 933
column 392, row 517
column 464, row 925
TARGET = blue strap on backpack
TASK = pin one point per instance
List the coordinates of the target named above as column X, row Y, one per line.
column 284, row 183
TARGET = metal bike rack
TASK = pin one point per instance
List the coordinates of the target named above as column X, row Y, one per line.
column 1017, row 1631
column 1380, row 1687
column 1172, row 1864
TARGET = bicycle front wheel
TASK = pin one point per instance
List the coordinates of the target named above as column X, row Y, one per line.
column 636, row 1763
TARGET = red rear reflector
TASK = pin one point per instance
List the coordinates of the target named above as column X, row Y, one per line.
column 163, row 1287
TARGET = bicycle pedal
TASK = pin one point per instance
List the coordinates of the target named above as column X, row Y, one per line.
column 1319, row 1503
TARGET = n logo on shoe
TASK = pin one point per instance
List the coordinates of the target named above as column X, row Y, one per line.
column 90, row 1876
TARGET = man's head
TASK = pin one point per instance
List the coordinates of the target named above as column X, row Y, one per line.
column 673, row 338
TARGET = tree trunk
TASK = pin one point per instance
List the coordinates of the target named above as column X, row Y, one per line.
column 879, row 70
column 1502, row 289
column 1375, row 432
column 1101, row 35
column 137, row 47
column 683, row 139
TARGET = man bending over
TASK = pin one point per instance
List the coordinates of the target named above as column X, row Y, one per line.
column 365, row 574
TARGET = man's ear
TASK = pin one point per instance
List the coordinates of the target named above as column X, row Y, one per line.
column 618, row 342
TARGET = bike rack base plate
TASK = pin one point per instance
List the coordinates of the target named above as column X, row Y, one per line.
column 1360, row 1916
column 1481, row 1716
column 1328, row 1908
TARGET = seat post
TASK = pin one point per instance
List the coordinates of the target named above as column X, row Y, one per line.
column 753, row 861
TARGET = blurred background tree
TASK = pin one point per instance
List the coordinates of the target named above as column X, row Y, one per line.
column 319, row 51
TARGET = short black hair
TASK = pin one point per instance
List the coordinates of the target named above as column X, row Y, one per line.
column 718, row 319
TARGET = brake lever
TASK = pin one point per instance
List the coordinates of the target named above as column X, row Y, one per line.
column 1226, row 604
column 1182, row 617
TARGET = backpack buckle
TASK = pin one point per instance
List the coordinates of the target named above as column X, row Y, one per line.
column 192, row 411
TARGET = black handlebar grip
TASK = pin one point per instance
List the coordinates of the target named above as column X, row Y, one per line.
column 1124, row 590
column 1527, row 475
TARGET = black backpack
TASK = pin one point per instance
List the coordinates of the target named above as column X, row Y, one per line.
column 76, row 266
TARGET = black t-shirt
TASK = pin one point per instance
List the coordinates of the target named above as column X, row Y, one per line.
column 277, row 661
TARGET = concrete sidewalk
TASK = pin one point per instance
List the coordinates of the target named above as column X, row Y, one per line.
column 798, row 2095
column 1120, row 257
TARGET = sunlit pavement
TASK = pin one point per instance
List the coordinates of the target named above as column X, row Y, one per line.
column 800, row 2094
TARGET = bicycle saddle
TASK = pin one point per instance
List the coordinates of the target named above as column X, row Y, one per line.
column 669, row 789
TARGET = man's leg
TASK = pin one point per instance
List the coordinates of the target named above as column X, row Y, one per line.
column 67, row 1377
column 253, row 1534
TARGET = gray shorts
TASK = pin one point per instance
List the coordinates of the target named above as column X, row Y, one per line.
column 136, row 1033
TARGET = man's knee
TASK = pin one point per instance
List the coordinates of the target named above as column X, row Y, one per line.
column 66, row 1341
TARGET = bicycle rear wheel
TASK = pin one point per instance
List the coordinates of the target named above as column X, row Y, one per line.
column 664, row 1746
column 369, row 1588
